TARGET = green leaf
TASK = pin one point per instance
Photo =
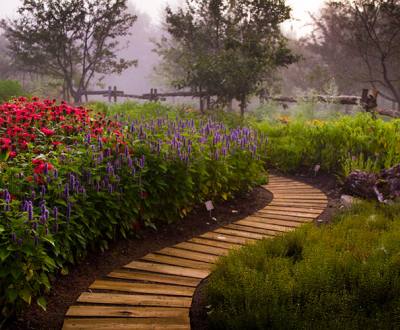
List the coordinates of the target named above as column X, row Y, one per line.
column 42, row 303
column 4, row 254
column 26, row 295
column 1, row 229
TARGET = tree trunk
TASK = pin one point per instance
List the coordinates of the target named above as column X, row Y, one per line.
column 201, row 104
column 208, row 99
column 243, row 105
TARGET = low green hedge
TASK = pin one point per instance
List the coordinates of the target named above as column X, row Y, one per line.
column 340, row 276
column 10, row 89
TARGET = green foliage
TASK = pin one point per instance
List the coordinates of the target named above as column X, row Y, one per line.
column 71, row 40
column 339, row 145
column 340, row 276
column 116, row 202
column 10, row 89
column 225, row 48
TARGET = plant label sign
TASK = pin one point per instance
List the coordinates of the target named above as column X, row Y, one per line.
column 209, row 205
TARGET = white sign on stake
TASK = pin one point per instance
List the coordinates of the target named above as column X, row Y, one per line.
column 209, row 206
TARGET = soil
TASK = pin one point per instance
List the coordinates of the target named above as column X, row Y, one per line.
column 66, row 289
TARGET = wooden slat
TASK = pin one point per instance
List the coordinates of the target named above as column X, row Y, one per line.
column 202, row 248
column 152, row 277
column 176, row 261
column 174, row 252
column 126, row 323
column 292, row 209
column 213, row 243
column 148, row 288
column 322, row 203
column 134, row 300
column 292, row 189
column 121, row 311
column 289, row 213
column 281, row 217
column 226, row 238
column 284, row 223
column 261, row 224
column 298, row 197
column 285, row 185
column 238, row 233
column 261, row 231
column 167, row 269
column 315, row 206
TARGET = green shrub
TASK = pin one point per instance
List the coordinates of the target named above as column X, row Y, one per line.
column 339, row 145
column 341, row 276
column 10, row 89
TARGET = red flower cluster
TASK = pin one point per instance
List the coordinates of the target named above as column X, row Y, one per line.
column 36, row 122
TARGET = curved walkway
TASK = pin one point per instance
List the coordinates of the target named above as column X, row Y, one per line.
column 156, row 291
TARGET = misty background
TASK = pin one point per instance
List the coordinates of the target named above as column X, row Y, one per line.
column 148, row 27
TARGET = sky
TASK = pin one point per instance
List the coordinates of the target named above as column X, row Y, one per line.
column 154, row 8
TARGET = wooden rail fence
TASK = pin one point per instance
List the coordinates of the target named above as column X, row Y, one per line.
column 368, row 100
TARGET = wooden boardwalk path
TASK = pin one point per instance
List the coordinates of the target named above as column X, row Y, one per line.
column 156, row 291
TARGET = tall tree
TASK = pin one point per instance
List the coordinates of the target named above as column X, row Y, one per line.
column 72, row 40
column 5, row 61
column 224, row 47
column 360, row 41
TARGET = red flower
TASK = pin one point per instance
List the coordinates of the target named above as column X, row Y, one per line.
column 41, row 168
column 12, row 154
column 47, row 132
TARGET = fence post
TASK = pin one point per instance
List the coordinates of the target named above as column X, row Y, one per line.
column 115, row 94
column 109, row 94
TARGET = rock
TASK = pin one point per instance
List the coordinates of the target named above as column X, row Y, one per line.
column 347, row 200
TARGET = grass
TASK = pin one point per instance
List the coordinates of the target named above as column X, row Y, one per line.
column 340, row 276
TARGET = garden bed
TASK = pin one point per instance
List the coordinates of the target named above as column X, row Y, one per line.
column 66, row 289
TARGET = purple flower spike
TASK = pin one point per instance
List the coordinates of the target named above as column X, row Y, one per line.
column 55, row 213
column 142, row 161
column 30, row 211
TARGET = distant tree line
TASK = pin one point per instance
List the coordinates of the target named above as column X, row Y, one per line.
column 229, row 49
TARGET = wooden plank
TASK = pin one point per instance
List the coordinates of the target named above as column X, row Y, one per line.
column 289, row 213
column 226, row 238
column 152, row 277
column 148, row 288
column 202, row 248
column 292, row 209
column 238, row 233
column 126, row 323
column 176, row 261
column 285, row 185
column 282, row 217
column 284, row 223
column 213, row 243
column 261, row 224
column 121, row 311
column 266, row 222
column 292, row 190
column 315, row 206
column 261, row 231
column 134, row 300
column 174, row 252
column 311, row 197
column 167, row 269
